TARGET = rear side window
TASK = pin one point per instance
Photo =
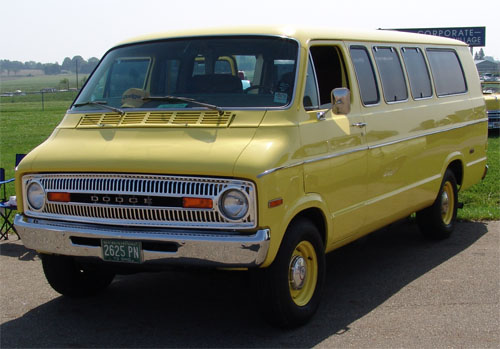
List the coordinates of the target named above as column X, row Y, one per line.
column 365, row 74
column 391, row 74
column 418, row 74
column 447, row 72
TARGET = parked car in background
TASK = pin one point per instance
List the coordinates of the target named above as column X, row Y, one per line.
column 491, row 92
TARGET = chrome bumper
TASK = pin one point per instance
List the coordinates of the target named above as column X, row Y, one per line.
column 191, row 247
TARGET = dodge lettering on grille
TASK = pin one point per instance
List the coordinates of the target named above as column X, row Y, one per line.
column 135, row 200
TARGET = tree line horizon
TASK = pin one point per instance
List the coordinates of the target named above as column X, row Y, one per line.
column 68, row 65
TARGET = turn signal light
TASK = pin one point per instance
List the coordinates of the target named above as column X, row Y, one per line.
column 275, row 203
column 197, row 203
column 59, row 197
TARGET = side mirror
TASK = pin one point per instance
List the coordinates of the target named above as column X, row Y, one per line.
column 341, row 101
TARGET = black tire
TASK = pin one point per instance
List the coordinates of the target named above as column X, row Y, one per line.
column 437, row 222
column 69, row 279
column 287, row 301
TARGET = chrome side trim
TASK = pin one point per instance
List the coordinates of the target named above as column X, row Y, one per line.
column 321, row 158
column 385, row 196
column 403, row 189
column 266, row 172
column 475, row 162
column 370, row 147
column 192, row 247
column 335, row 155
column 428, row 134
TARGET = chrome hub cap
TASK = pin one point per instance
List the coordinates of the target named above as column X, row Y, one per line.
column 445, row 203
column 448, row 208
column 298, row 272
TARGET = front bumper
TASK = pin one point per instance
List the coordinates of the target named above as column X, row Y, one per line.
column 183, row 247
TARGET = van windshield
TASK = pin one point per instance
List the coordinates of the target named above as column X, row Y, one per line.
column 206, row 72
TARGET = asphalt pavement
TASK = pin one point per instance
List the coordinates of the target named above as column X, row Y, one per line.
column 391, row 289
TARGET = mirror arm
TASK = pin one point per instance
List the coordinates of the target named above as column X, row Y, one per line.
column 341, row 103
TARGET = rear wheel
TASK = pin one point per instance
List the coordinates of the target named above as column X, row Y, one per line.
column 290, row 289
column 438, row 221
column 70, row 279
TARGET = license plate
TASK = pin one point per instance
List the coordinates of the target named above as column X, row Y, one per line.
column 121, row 251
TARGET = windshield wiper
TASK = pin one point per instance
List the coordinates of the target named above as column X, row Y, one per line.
column 101, row 104
column 184, row 99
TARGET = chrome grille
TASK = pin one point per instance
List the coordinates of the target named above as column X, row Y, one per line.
column 494, row 114
column 102, row 192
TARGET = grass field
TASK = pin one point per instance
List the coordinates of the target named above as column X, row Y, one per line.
column 23, row 125
column 36, row 83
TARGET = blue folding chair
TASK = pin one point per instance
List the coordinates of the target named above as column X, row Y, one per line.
column 6, row 208
column 19, row 157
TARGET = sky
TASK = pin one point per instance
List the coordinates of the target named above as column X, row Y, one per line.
column 47, row 31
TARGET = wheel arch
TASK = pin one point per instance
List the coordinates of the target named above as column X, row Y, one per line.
column 457, row 167
column 310, row 207
column 315, row 216
column 454, row 162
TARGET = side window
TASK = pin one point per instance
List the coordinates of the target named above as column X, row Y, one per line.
column 246, row 69
column 311, row 100
column 391, row 74
column 222, row 67
column 330, row 71
column 199, row 66
column 418, row 73
column 447, row 72
column 365, row 74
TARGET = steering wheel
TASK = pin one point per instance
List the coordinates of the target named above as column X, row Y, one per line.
column 258, row 87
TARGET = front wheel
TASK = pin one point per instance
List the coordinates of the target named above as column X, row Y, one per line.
column 438, row 221
column 70, row 279
column 290, row 289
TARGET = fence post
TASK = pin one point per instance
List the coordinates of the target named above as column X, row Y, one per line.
column 43, row 106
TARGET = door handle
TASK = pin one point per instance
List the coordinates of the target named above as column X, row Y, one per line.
column 359, row 124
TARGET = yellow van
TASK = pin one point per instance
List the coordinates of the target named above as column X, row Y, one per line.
column 252, row 148
column 491, row 92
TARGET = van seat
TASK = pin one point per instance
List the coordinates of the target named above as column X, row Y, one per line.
column 215, row 83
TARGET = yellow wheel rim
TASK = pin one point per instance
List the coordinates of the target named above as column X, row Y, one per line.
column 447, row 203
column 303, row 273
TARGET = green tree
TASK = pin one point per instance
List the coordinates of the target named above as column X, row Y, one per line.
column 16, row 66
column 51, row 68
column 30, row 65
column 481, row 54
column 67, row 65
column 64, row 83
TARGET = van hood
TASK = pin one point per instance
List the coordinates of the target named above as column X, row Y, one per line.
column 175, row 151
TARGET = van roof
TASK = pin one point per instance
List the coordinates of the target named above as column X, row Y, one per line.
column 305, row 34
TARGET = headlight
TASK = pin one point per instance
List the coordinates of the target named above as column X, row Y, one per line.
column 36, row 195
column 234, row 204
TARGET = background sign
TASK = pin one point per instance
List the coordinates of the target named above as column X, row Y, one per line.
column 472, row 36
